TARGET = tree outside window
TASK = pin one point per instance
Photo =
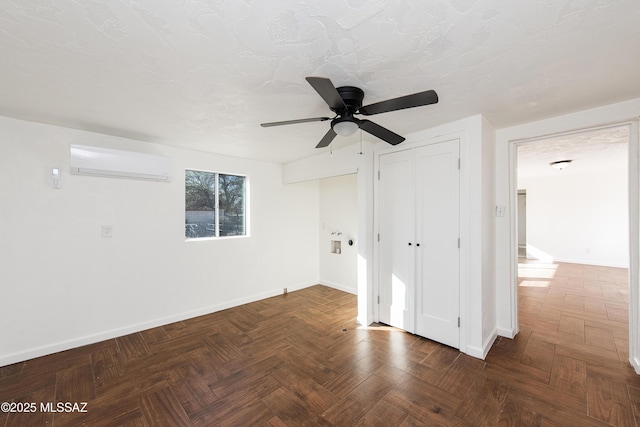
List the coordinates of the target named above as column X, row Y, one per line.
column 214, row 204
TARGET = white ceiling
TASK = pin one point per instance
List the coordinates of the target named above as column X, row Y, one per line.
column 590, row 151
column 203, row 74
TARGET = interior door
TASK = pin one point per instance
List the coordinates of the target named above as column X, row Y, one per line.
column 437, row 234
column 396, row 209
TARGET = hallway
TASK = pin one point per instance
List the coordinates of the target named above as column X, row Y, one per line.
column 574, row 337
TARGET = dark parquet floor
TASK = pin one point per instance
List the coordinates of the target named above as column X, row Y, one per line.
column 301, row 359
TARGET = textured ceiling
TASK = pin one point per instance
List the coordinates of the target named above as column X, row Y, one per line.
column 204, row 74
column 591, row 151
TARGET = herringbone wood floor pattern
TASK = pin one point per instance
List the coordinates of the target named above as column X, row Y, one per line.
column 300, row 359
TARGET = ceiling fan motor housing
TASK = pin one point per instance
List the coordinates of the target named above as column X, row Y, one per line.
column 352, row 97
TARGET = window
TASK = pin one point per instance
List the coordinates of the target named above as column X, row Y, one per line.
column 214, row 204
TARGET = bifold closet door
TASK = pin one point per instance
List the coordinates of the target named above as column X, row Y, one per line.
column 418, row 263
column 396, row 232
column 437, row 233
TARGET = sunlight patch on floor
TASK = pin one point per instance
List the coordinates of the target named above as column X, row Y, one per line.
column 380, row 327
column 537, row 271
column 535, row 283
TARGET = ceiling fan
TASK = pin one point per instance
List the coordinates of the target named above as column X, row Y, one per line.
column 346, row 101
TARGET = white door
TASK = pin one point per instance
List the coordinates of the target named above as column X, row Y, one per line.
column 418, row 225
column 437, row 233
column 396, row 210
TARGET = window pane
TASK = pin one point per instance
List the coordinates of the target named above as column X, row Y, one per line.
column 200, row 190
column 231, row 204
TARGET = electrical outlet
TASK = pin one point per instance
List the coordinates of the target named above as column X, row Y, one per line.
column 107, row 231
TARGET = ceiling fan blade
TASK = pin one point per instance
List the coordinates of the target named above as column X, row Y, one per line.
column 328, row 92
column 408, row 101
column 380, row 132
column 292, row 122
column 326, row 139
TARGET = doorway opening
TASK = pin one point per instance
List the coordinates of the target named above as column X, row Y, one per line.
column 573, row 240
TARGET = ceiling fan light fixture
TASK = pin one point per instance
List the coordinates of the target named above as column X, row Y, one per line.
column 345, row 127
column 560, row 164
column 346, row 101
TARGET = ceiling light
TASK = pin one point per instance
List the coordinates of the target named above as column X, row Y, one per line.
column 345, row 127
column 560, row 164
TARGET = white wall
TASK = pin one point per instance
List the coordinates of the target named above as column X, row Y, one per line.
column 63, row 285
column 522, row 219
column 488, row 226
column 478, row 302
column 339, row 214
column 580, row 217
column 354, row 159
column 478, row 327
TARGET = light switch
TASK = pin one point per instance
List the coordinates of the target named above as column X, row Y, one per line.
column 55, row 178
column 107, row 231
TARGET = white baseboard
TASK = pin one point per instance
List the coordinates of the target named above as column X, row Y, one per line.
column 51, row 348
column 339, row 287
column 635, row 362
column 370, row 319
column 481, row 353
column 591, row 262
column 474, row 351
column 506, row 332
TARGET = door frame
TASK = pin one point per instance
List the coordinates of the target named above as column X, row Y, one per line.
column 463, row 219
column 634, row 226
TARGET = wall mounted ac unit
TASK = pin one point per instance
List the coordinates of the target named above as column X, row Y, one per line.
column 96, row 161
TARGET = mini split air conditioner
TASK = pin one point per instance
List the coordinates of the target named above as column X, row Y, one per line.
column 105, row 162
